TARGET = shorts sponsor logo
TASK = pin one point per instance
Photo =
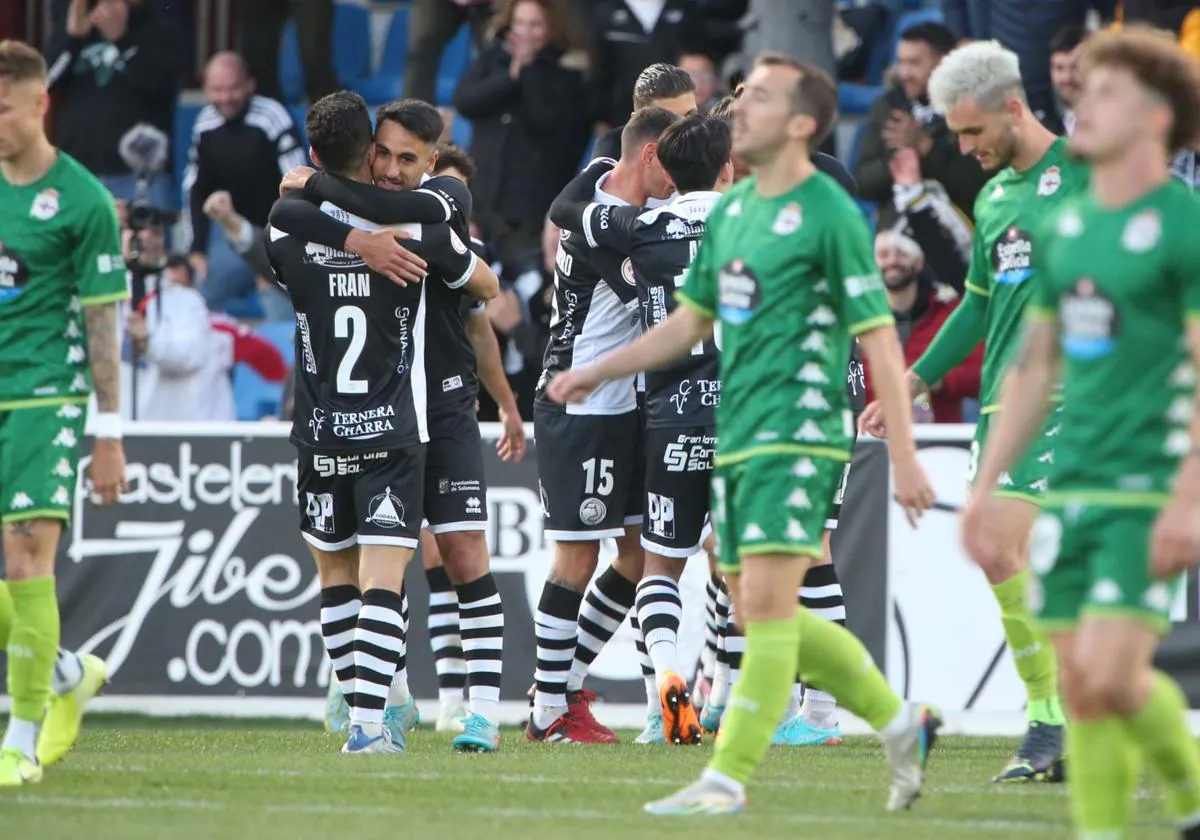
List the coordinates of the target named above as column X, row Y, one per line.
column 592, row 511
column 474, row 506
column 447, row 486
column 690, row 453
column 660, row 510
column 331, row 465
column 319, row 510
column 443, row 486
column 386, row 510
column 452, row 383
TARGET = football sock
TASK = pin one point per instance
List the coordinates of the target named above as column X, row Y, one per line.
column 6, row 614
column 398, row 693
column 759, row 698
column 833, row 658
column 708, row 657
column 339, row 617
column 444, row 636
column 32, row 647
column 377, row 650
column 555, row 626
column 722, row 679
column 659, row 613
column 609, row 599
column 653, row 706
column 1102, row 768
column 1160, row 730
column 821, row 594
column 483, row 644
column 1032, row 656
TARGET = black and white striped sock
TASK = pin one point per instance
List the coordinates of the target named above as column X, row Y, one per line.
column 659, row 612
column 339, row 615
column 555, row 626
column 483, row 644
column 377, row 649
column 444, row 636
column 609, row 599
column 399, row 694
column 821, row 594
column 722, row 677
column 708, row 656
column 653, row 705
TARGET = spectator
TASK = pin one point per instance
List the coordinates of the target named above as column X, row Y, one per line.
column 262, row 23
column 657, row 86
column 432, row 25
column 921, row 305
column 247, row 240
column 968, row 19
column 931, row 220
column 527, row 94
column 903, row 118
column 241, row 143
column 704, row 76
column 115, row 67
column 1064, row 76
column 631, row 35
column 803, row 28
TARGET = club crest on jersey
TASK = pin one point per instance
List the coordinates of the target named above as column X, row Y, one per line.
column 386, row 510
column 45, row 205
column 1050, row 181
column 1142, row 232
column 789, row 219
column 627, row 272
column 1089, row 322
column 1012, row 257
column 13, row 274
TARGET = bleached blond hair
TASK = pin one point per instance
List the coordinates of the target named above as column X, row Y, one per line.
column 983, row 71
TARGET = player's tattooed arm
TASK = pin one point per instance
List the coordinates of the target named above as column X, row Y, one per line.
column 104, row 355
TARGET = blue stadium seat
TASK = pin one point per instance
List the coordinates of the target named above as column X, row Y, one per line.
column 455, row 59
column 461, row 132
column 930, row 14
column 351, row 51
column 869, row 209
column 386, row 83
column 857, row 99
column 181, row 138
column 256, row 398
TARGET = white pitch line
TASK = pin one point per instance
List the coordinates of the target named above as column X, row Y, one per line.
column 33, row 800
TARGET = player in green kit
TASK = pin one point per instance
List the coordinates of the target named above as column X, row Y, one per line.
column 1116, row 314
column 61, row 276
column 978, row 88
column 787, row 268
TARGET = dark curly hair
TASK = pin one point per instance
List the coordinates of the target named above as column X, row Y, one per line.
column 339, row 130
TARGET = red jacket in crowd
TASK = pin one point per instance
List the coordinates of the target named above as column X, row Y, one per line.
column 963, row 381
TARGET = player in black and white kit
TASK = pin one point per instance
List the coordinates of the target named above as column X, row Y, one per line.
column 454, row 485
column 589, row 455
column 681, row 400
column 359, row 424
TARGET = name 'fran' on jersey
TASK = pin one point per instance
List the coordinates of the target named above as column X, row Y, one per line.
column 661, row 243
column 595, row 311
column 360, row 347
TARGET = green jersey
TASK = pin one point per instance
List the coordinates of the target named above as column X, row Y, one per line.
column 60, row 250
column 1122, row 285
column 1009, row 207
column 790, row 279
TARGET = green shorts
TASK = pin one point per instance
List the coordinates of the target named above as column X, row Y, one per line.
column 774, row 504
column 1027, row 478
column 39, row 455
column 1091, row 560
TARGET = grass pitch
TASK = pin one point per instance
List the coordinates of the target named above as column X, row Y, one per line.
column 194, row 779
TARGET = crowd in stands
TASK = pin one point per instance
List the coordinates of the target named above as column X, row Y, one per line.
column 526, row 87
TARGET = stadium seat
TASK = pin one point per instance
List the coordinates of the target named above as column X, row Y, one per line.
column 386, row 84
column 461, row 132
column 351, row 51
column 930, row 14
column 857, row 99
column 255, row 397
column 455, row 59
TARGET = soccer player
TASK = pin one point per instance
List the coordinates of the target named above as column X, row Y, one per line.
column 61, row 278
column 786, row 265
column 404, row 151
column 360, row 424
column 681, row 400
column 659, row 85
column 590, row 456
column 978, row 88
column 1116, row 313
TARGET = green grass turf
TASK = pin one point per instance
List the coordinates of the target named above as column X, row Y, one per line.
column 195, row 779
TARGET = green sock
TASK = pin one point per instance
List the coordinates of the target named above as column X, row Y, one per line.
column 32, row 645
column 833, row 658
column 6, row 614
column 1031, row 654
column 759, row 698
column 1161, row 730
column 1103, row 769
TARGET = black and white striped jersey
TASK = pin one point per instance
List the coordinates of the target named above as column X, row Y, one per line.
column 658, row 245
column 360, row 339
column 595, row 311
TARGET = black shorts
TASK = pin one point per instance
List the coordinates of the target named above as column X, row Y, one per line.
column 679, row 464
column 364, row 498
column 455, row 486
column 839, row 495
column 590, row 472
